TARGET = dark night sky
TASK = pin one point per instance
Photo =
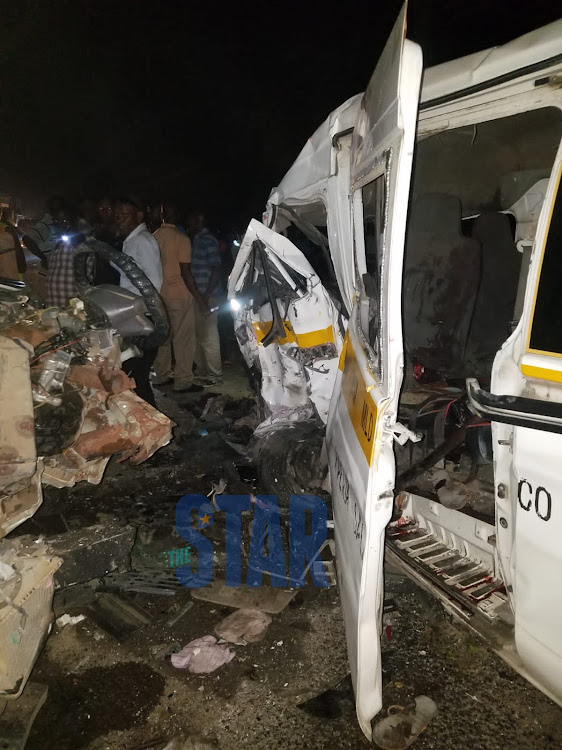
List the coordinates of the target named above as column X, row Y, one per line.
column 190, row 101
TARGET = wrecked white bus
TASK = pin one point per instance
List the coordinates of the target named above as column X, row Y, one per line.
column 402, row 289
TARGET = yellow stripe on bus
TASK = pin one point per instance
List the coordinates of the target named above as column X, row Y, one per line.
column 542, row 373
column 360, row 405
column 343, row 351
column 304, row 340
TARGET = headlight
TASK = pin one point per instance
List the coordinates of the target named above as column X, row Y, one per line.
column 235, row 305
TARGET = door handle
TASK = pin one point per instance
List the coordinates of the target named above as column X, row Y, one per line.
column 515, row 410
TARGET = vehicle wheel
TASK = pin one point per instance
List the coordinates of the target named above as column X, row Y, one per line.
column 291, row 461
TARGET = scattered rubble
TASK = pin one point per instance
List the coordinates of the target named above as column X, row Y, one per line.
column 181, row 743
column 161, row 652
column 156, row 582
column 177, row 617
column 403, row 726
column 116, row 615
column 92, row 552
column 202, row 655
column 67, row 407
column 67, row 619
column 270, row 600
column 26, row 594
column 247, row 625
column 17, row 716
column 330, row 703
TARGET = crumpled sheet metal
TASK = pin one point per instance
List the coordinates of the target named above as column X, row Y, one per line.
column 115, row 421
column 69, row 468
column 17, row 508
column 152, row 429
column 26, row 614
column 18, row 456
column 298, row 371
column 124, row 425
column 104, row 379
column 31, row 331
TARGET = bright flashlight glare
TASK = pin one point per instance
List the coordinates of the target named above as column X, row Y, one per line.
column 236, row 243
column 65, row 238
column 234, row 305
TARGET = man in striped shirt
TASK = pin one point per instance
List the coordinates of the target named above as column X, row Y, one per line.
column 61, row 281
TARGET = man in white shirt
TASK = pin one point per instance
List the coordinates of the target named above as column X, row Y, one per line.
column 139, row 243
column 143, row 248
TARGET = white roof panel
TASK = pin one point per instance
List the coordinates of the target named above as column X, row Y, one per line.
column 465, row 72
column 312, row 166
column 311, row 169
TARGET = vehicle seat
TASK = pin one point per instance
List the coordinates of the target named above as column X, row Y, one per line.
column 441, row 279
column 495, row 303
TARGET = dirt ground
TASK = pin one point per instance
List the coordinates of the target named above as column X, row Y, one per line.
column 122, row 695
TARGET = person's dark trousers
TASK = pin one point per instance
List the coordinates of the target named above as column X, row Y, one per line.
column 139, row 369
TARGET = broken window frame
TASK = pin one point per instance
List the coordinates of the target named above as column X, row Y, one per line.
column 271, row 268
column 370, row 298
column 312, row 233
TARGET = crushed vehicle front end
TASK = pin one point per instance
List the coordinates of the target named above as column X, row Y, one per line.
column 290, row 322
column 288, row 328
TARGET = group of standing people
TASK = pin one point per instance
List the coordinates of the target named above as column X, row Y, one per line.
column 183, row 265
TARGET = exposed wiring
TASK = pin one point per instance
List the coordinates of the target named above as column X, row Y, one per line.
column 58, row 348
column 448, row 407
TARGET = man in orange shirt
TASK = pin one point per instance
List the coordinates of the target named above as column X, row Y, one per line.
column 180, row 296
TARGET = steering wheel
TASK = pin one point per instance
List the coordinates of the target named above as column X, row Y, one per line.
column 154, row 304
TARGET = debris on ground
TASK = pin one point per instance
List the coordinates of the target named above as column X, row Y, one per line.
column 177, row 617
column 291, row 459
column 217, row 488
column 180, row 743
column 92, row 552
column 203, row 655
column 161, row 652
column 270, row 600
column 117, row 616
column 402, row 726
column 74, row 599
column 235, row 418
column 330, row 703
column 17, row 717
column 158, row 583
column 247, row 472
column 244, row 625
column 67, row 619
column 26, row 593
